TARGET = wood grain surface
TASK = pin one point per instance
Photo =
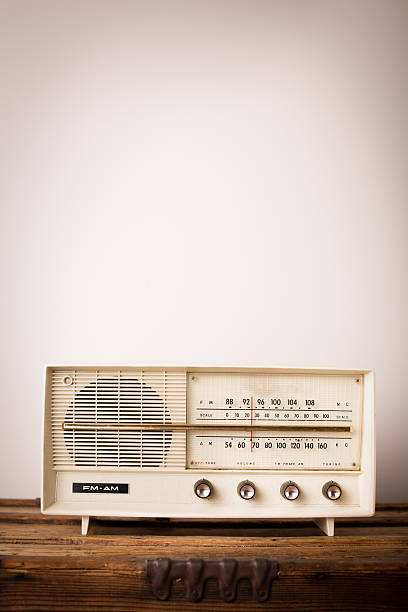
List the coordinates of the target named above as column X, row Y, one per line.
column 45, row 564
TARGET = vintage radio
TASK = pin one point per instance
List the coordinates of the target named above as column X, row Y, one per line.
column 209, row 443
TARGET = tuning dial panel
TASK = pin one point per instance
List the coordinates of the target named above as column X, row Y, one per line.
column 274, row 422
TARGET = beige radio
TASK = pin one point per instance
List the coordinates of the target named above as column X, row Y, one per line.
column 209, row 443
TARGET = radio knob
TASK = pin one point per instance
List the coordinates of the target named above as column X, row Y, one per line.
column 332, row 490
column 203, row 489
column 290, row 490
column 246, row 489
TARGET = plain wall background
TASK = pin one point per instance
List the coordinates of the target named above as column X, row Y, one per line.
column 202, row 182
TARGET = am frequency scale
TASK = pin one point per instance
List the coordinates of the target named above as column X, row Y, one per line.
column 209, row 443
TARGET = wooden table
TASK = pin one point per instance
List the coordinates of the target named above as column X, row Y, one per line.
column 45, row 564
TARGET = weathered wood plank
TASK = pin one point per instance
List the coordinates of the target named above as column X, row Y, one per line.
column 91, row 590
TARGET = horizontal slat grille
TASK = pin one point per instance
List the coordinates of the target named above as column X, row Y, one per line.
column 122, row 397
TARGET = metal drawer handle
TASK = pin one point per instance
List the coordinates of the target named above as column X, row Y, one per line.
column 227, row 572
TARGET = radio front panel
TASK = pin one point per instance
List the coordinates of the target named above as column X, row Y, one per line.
column 208, row 442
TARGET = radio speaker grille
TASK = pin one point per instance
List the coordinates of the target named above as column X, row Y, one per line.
column 90, row 411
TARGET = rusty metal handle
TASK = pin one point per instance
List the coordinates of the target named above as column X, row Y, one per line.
column 227, row 572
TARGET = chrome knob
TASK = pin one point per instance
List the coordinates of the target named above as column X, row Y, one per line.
column 332, row 490
column 246, row 489
column 289, row 490
column 203, row 489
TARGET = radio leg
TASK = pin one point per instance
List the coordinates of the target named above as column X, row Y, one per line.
column 326, row 525
column 85, row 525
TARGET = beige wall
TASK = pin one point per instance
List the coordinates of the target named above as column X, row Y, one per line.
column 202, row 182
